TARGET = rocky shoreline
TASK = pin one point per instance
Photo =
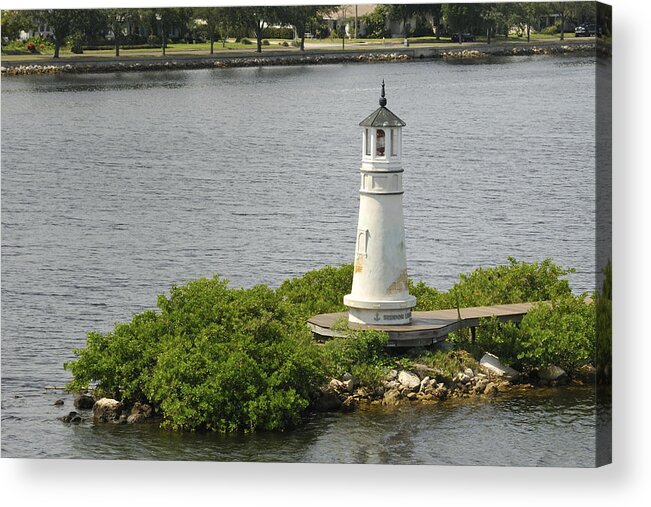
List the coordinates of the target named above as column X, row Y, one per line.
column 419, row 384
column 274, row 59
column 423, row 384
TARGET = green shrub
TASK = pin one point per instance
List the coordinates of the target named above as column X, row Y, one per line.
column 246, row 41
column 265, row 42
column 515, row 282
column 360, row 349
column 428, row 298
column 550, row 30
column 296, row 43
column 213, row 358
column 561, row 332
column 318, row 291
column 284, row 44
column 279, row 32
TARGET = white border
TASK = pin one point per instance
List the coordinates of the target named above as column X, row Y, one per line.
column 626, row 482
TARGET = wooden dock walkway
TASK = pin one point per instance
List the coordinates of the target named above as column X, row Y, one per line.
column 426, row 328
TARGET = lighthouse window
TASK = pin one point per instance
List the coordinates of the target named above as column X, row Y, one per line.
column 367, row 145
column 362, row 238
column 380, row 143
column 394, row 143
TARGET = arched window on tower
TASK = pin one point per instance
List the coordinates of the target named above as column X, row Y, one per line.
column 379, row 140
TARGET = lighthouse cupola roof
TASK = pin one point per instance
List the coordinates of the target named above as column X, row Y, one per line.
column 382, row 117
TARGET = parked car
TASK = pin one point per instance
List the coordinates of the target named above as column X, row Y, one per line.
column 587, row 30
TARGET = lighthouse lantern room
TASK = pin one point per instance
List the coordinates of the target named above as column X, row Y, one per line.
column 380, row 293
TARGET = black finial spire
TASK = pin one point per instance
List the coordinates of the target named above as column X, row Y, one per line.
column 383, row 100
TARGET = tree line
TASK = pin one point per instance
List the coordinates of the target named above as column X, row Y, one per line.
column 126, row 26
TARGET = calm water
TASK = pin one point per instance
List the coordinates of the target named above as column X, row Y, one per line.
column 115, row 187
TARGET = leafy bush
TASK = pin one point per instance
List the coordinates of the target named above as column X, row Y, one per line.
column 359, row 351
column 550, row 30
column 318, row 291
column 279, row 33
column 296, row 43
column 561, row 332
column 515, row 282
column 265, row 42
column 213, row 358
column 246, row 41
column 76, row 42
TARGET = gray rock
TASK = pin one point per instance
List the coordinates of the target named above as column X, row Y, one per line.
column 469, row 373
column 349, row 385
column 58, row 403
column 84, row 401
column 408, row 379
column 392, row 375
column 552, row 373
column 492, row 365
column 346, row 376
column 107, row 410
column 441, row 392
column 73, row 417
column 424, row 384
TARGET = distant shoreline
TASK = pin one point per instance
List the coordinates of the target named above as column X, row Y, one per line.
column 88, row 65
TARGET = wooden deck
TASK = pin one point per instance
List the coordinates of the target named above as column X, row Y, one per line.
column 426, row 328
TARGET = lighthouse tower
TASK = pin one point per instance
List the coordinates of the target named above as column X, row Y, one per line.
column 380, row 294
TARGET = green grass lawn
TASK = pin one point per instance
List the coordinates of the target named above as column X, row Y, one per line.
column 331, row 44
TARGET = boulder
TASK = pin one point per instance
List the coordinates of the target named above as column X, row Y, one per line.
column 73, row 417
column 328, row 402
column 58, row 403
column 552, row 373
column 139, row 413
column 392, row 397
column 408, row 379
column 424, row 384
column 469, row 373
column 84, row 401
column 107, row 410
column 336, row 385
column 491, row 389
column 349, row 385
column 492, row 365
column 392, row 375
column 349, row 404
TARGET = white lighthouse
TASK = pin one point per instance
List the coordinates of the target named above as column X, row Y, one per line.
column 380, row 294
